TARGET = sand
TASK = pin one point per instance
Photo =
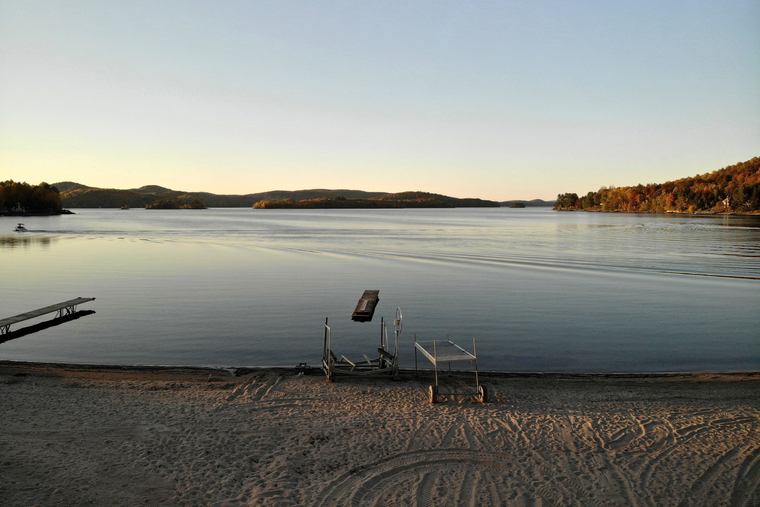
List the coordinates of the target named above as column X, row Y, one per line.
column 124, row 436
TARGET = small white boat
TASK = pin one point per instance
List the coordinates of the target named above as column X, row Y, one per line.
column 20, row 228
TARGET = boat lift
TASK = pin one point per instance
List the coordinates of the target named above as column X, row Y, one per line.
column 385, row 364
column 440, row 351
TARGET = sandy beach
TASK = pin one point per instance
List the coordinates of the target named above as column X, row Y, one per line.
column 72, row 435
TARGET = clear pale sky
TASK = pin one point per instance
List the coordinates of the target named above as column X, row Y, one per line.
column 499, row 100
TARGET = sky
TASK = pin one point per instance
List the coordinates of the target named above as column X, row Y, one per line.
column 491, row 99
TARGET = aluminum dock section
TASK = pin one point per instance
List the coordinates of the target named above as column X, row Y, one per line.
column 62, row 309
column 365, row 308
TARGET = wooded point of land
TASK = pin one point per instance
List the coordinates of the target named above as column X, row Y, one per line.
column 19, row 198
column 733, row 189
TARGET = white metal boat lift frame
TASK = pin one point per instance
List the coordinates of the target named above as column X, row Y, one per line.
column 440, row 351
column 385, row 363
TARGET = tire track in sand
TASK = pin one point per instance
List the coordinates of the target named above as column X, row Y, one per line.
column 677, row 441
column 482, row 477
column 254, row 389
column 409, row 478
column 746, row 490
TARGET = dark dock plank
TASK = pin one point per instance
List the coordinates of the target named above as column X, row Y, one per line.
column 365, row 308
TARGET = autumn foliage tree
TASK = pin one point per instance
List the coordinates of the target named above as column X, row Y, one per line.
column 735, row 188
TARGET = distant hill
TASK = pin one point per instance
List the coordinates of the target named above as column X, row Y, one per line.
column 532, row 202
column 733, row 189
column 76, row 195
column 69, row 185
column 299, row 195
column 399, row 200
column 151, row 189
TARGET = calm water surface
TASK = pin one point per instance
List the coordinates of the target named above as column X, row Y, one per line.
column 540, row 290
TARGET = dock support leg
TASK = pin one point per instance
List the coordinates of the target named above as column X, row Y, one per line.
column 475, row 351
column 415, row 353
column 63, row 312
column 435, row 353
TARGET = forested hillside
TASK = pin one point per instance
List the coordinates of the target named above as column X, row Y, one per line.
column 75, row 195
column 732, row 189
column 400, row 200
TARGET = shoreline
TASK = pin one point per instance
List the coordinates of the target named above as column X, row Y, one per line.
column 686, row 213
column 165, row 436
column 236, row 371
column 37, row 213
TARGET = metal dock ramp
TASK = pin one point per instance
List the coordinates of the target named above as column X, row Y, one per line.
column 62, row 309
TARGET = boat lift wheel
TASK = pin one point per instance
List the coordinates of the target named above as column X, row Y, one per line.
column 482, row 393
column 433, row 392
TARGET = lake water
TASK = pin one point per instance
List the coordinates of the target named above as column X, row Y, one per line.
column 540, row 290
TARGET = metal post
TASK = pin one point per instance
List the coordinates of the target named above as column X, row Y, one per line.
column 328, row 351
column 397, row 331
column 330, row 361
column 325, row 351
column 435, row 352
column 448, row 340
column 382, row 328
column 475, row 351
column 415, row 352
column 395, row 352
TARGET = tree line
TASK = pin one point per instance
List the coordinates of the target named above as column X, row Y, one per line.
column 732, row 189
column 342, row 202
column 177, row 204
column 21, row 197
column 400, row 200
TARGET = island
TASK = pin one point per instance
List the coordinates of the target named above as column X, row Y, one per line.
column 175, row 204
column 400, row 200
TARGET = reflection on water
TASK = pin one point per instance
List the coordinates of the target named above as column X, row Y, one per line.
column 25, row 241
column 540, row 290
